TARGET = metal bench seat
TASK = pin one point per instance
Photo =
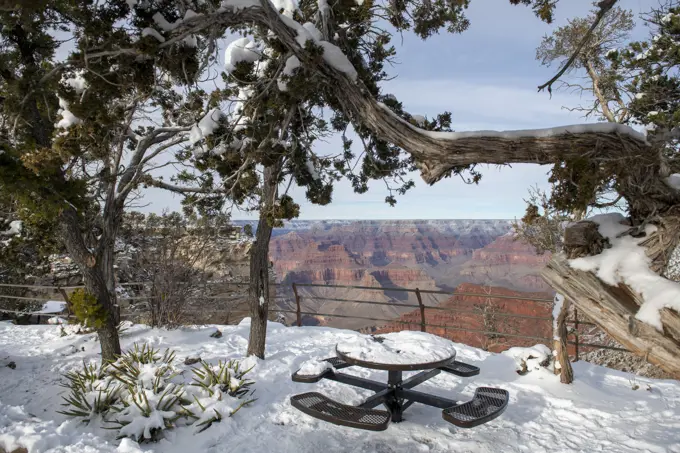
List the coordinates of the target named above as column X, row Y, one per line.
column 324, row 408
column 486, row 404
column 461, row 369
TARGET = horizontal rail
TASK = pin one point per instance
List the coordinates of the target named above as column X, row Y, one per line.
column 449, row 309
column 599, row 346
column 368, row 302
column 427, row 291
column 502, row 334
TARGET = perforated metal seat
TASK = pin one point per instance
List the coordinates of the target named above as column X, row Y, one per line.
column 324, row 408
column 487, row 404
column 461, row 369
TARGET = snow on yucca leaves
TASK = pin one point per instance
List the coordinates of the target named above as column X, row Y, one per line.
column 228, row 377
column 151, row 402
column 223, row 390
column 92, row 392
column 145, row 367
column 145, row 413
column 141, row 395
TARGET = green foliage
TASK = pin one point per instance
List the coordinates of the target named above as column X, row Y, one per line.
column 92, row 392
column 87, row 310
column 128, row 368
column 228, row 377
column 139, row 397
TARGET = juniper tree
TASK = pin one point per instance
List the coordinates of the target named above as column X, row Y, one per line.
column 80, row 134
column 602, row 82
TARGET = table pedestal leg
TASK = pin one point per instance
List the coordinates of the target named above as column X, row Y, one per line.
column 394, row 403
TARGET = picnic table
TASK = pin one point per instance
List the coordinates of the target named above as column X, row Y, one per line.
column 395, row 353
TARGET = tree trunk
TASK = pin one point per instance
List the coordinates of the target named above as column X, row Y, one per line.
column 97, row 272
column 613, row 309
column 561, row 347
column 258, row 291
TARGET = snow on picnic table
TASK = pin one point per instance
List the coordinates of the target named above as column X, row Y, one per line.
column 399, row 348
column 598, row 412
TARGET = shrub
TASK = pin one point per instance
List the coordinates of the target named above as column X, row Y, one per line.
column 224, row 392
column 92, row 392
column 87, row 310
column 137, row 395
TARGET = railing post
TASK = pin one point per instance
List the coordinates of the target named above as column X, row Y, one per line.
column 576, row 334
column 422, row 310
column 297, row 305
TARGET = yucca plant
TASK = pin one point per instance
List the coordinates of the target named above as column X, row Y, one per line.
column 227, row 376
column 129, row 367
column 92, row 392
column 216, row 412
column 144, row 414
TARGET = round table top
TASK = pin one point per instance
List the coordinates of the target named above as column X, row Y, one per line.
column 398, row 351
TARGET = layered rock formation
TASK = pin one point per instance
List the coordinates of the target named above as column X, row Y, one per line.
column 428, row 254
column 509, row 263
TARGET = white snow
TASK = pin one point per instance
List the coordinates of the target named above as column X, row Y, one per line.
column 15, row 228
column 530, row 357
column 557, row 307
column 190, row 14
column 67, row 120
column 598, row 412
column 332, row 54
column 639, row 95
column 667, row 18
column 148, row 31
column 286, row 7
column 312, row 169
column 261, row 301
column 53, row 306
column 57, row 320
column 238, row 5
column 206, row 126
column 314, row 367
column 674, row 181
column 292, row 63
column 605, row 128
column 163, row 23
column 406, row 347
column 626, row 262
column 243, row 49
column 77, row 82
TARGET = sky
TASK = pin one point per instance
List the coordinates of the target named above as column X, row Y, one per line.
column 487, row 78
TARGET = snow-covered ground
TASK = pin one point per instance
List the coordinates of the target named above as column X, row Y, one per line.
column 599, row 412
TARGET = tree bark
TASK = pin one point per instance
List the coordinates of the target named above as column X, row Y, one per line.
column 97, row 272
column 614, row 309
column 561, row 347
column 258, row 291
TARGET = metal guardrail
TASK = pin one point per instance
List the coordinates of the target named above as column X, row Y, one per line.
column 422, row 308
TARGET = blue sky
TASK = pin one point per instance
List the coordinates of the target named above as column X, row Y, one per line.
column 486, row 77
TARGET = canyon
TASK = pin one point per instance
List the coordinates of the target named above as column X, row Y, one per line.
column 391, row 256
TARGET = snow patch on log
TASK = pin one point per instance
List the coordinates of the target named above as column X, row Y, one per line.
column 627, row 263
